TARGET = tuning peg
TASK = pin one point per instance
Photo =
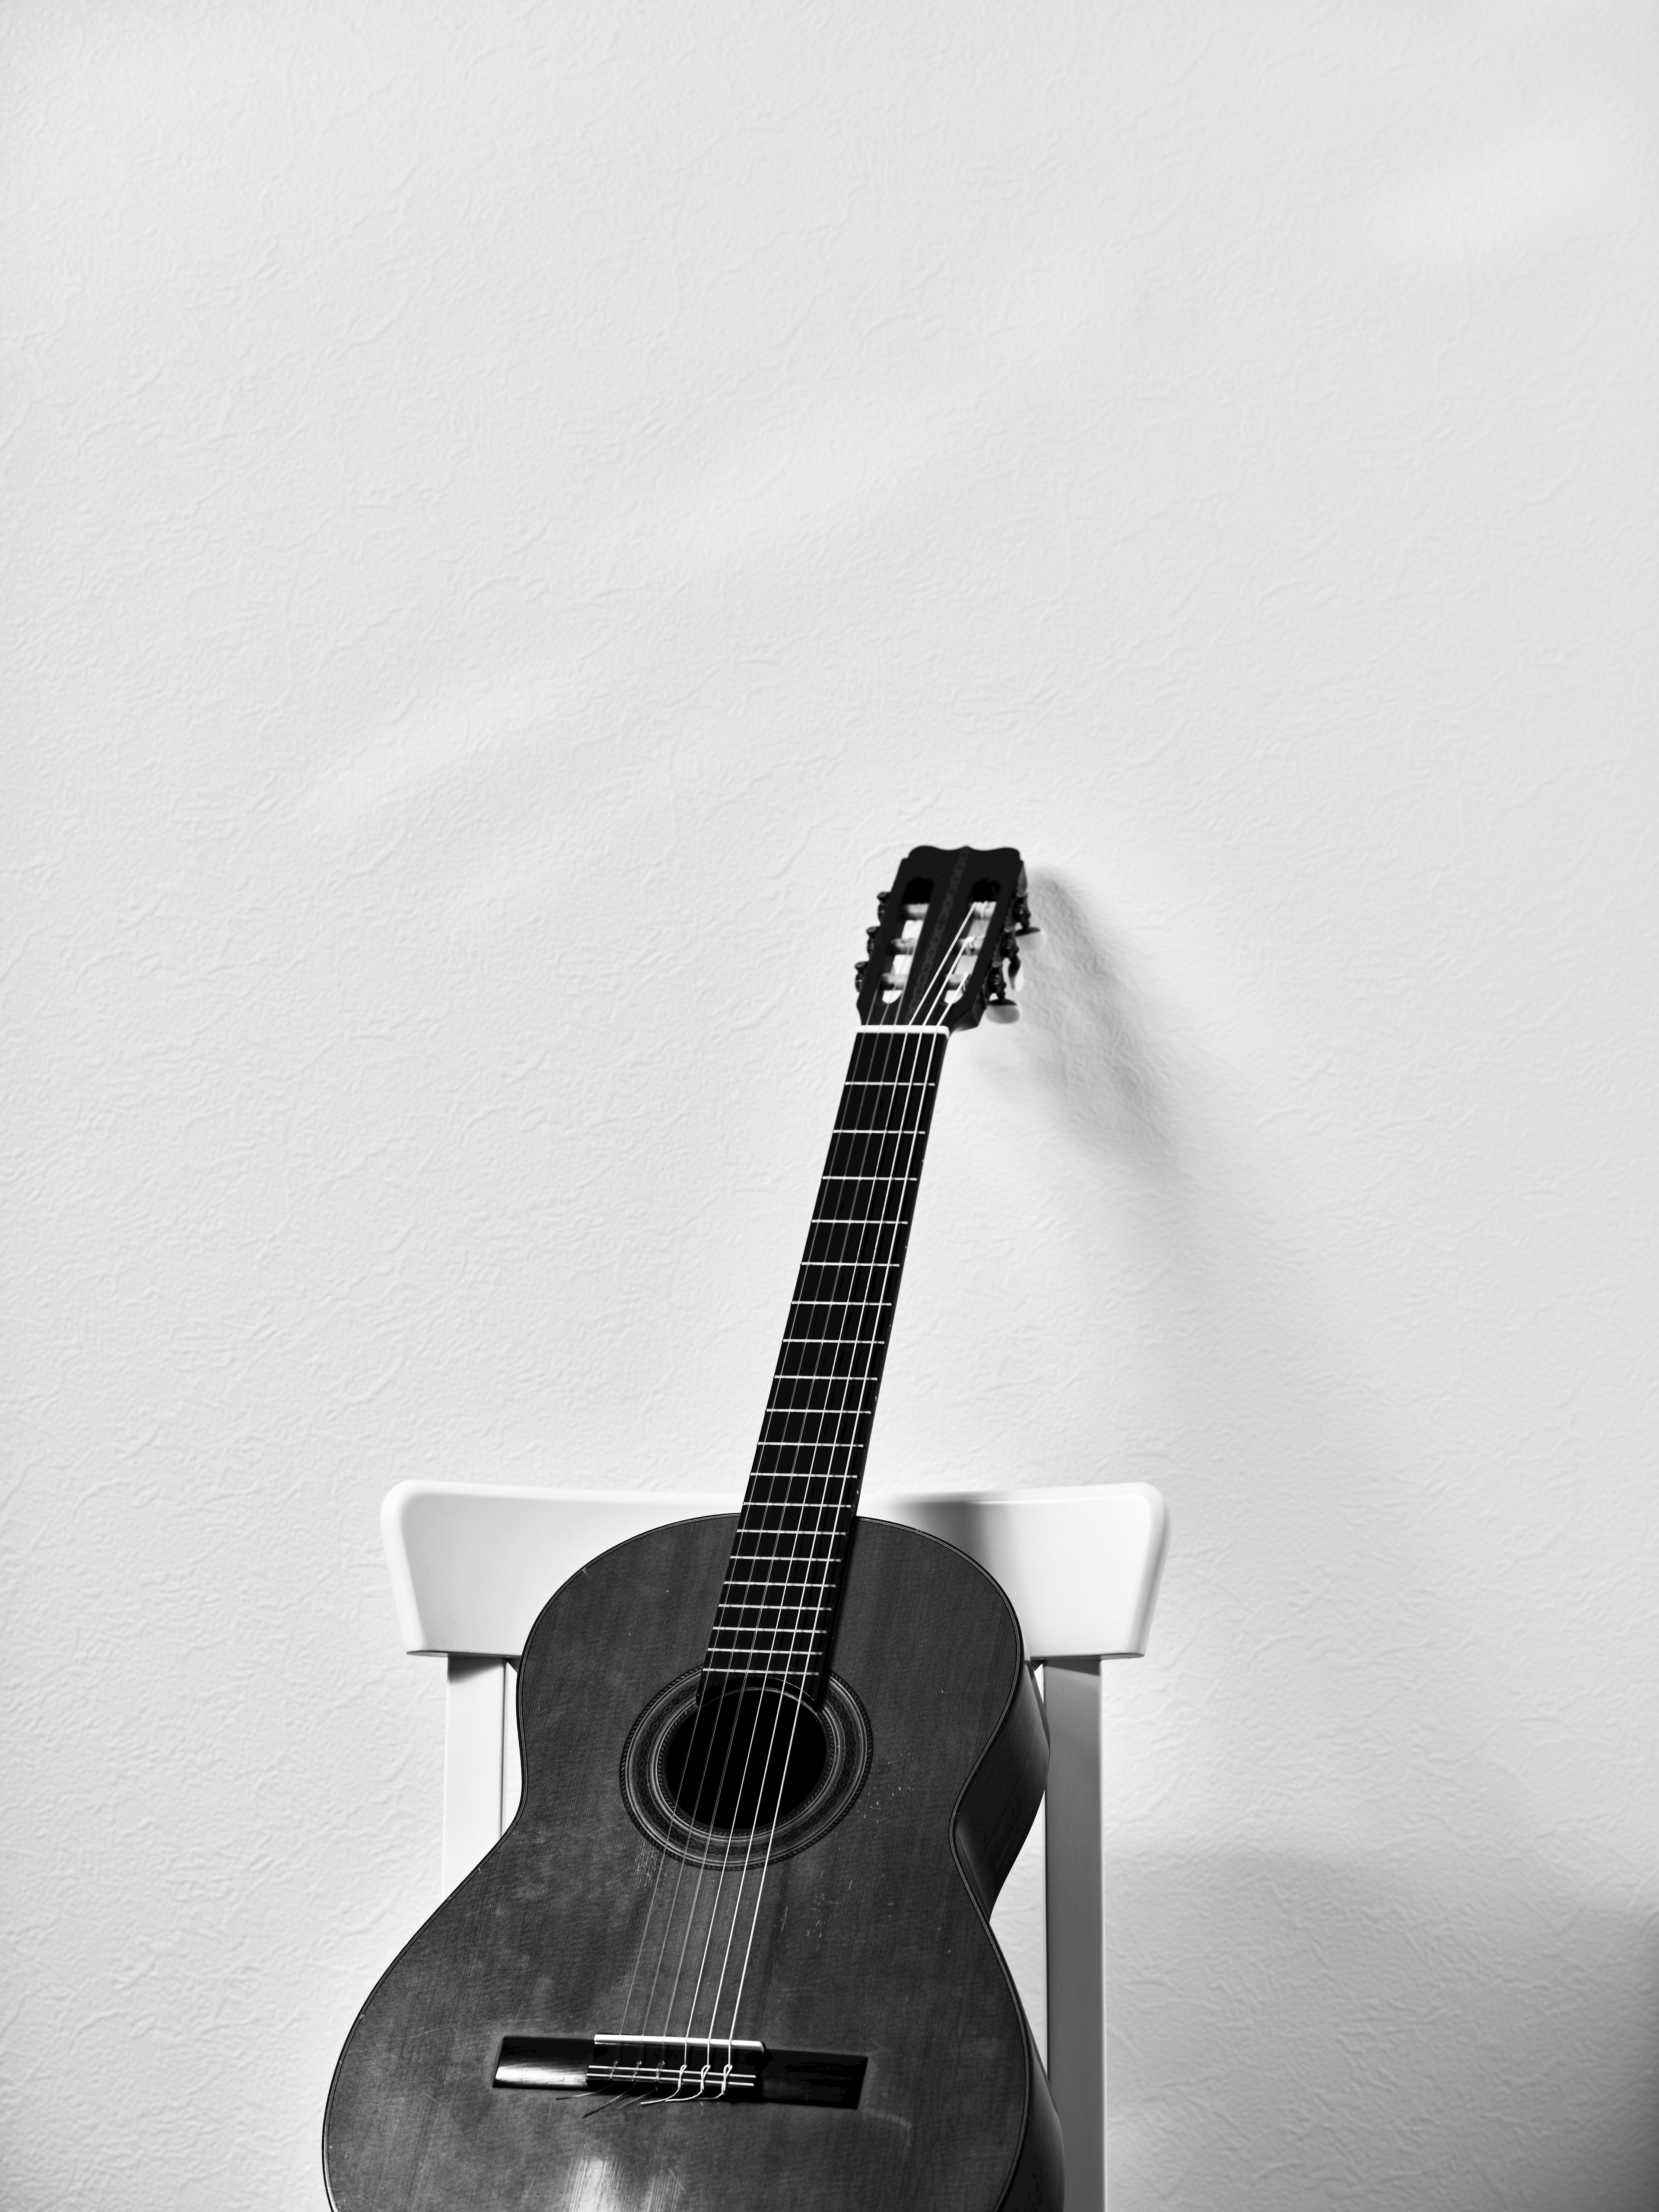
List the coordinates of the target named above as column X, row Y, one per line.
column 1020, row 923
column 999, row 1004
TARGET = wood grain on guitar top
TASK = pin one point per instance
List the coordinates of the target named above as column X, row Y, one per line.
column 871, row 1940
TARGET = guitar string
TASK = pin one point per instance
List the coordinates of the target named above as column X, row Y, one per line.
column 705, row 1859
column 927, row 1059
column 939, row 982
column 938, row 987
column 677, row 1816
column 913, row 1081
column 683, row 1858
column 766, row 1769
column 782, row 1653
column 902, row 1104
column 786, row 1637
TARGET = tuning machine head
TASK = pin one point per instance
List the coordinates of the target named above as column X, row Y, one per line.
column 1000, row 1002
column 942, row 953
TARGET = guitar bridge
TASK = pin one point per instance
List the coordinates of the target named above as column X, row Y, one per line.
column 685, row 2068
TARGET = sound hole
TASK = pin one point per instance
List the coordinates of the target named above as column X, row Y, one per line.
column 752, row 1764
column 743, row 1761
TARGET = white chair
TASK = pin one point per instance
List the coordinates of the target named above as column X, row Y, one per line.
column 472, row 1564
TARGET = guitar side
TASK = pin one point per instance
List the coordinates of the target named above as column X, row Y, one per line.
column 871, row 1940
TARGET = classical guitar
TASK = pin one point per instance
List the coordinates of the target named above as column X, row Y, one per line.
column 732, row 1954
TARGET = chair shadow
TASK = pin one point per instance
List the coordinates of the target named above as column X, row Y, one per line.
column 1288, row 2035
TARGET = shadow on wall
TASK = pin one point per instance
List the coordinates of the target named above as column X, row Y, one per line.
column 1091, row 1045
column 1413, row 2011
column 1368, row 2041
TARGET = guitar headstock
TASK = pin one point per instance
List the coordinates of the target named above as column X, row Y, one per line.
column 945, row 950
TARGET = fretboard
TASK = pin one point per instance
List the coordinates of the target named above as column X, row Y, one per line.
column 777, row 1604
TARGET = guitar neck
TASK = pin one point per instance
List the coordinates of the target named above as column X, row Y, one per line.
column 777, row 1604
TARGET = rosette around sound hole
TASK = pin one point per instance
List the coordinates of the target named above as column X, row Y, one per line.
column 752, row 1766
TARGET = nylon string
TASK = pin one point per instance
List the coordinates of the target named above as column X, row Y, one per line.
column 910, row 1088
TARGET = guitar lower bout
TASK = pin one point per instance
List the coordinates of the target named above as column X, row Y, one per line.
column 888, row 2065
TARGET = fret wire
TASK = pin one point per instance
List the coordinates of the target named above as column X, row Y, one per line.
column 806, row 1406
column 730, row 1611
column 846, row 1304
column 774, row 1504
column 830, row 1524
column 782, row 1379
column 753, row 1559
column 768, row 1453
column 808, row 1413
column 851, row 1343
column 778, row 1476
column 793, row 1509
column 750, row 1631
column 754, row 1535
column 754, row 1529
column 750, row 1523
column 872, row 1178
column 788, row 1550
column 724, row 1642
column 754, row 1650
column 780, row 1417
column 784, row 1586
column 797, row 1636
column 768, row 1561
column 804, row 1443
column 872, row 1268
column 787, row 1597
column 786, row 1676
column 846, row 1268
column 787, row 1378
column 749, row 1627
column 760, row 1583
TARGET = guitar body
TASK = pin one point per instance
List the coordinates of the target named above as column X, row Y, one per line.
column 870, row 1940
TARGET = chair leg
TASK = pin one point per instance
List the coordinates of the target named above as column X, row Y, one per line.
column 474, row 1714
column 1077, row 2011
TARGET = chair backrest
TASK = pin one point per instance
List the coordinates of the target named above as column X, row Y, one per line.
column 473, row 1563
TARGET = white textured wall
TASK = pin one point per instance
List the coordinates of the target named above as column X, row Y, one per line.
column 515, row 517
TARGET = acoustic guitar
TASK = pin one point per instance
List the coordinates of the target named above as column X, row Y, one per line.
column 732, row 1954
